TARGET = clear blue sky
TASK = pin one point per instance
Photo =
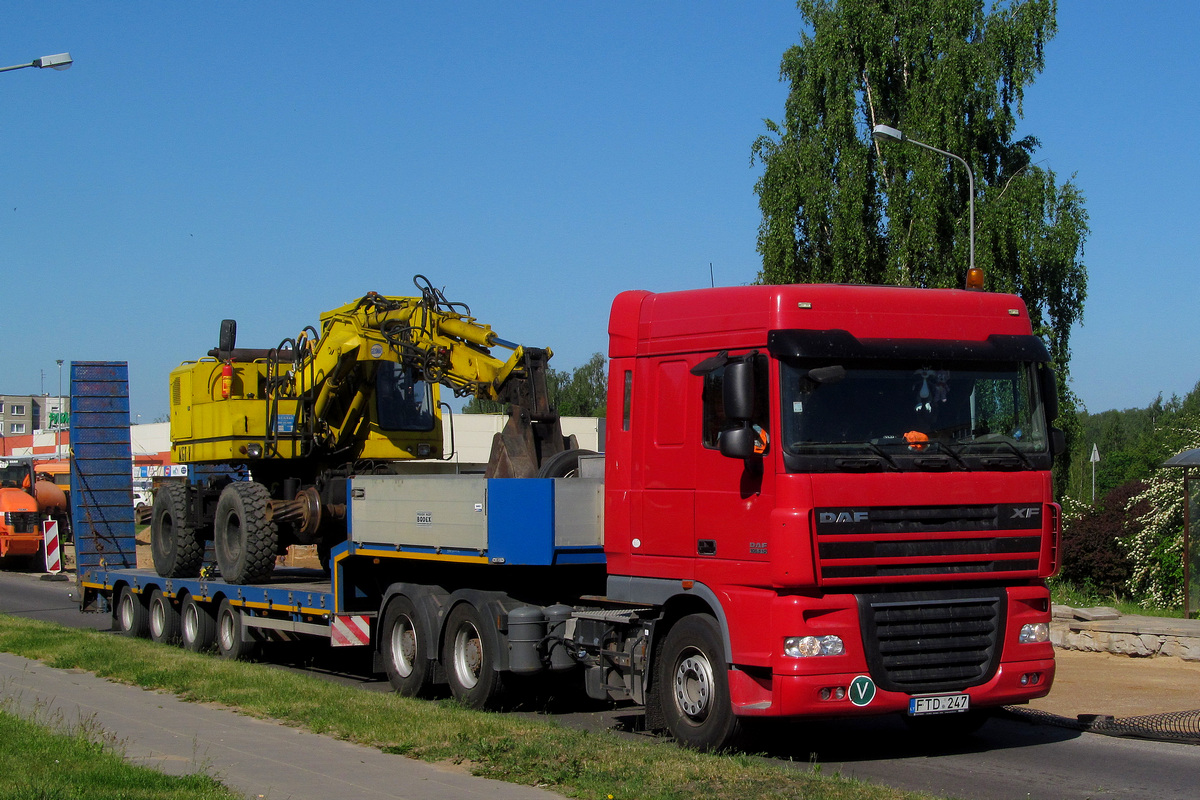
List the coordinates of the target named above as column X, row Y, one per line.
column 268, row 161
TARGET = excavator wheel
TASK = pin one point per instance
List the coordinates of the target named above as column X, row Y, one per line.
column 564, row 464
column 244, row 538
column 178, row 550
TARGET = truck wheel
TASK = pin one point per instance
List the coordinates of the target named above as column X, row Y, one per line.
column 164, row 619
column 693, row 685
column 232, row 640
column 244, row 538
column 468, row 656
column 198, row 629
column 405, row 655
column 178, row 550
column 130, row 617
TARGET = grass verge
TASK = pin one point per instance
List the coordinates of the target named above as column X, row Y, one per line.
column 1068, row 594
column 38, row 763
column 504, row 747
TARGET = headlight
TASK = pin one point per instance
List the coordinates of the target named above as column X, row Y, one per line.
column 805, row 646
column 1034, row 633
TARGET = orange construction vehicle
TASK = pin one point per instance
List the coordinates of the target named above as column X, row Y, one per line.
column 26, row 498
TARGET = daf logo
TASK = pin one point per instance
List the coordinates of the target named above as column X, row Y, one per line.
column 843, row 517
column 1026, row 513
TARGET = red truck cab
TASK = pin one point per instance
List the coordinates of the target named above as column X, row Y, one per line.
column 840, row 494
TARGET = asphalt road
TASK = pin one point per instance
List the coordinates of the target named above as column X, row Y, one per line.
column 1008, row 758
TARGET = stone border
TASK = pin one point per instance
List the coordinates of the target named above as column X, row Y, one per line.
column 1098, row 630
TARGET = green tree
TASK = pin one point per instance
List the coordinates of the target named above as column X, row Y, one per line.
column 580, row 393
column 840, row 207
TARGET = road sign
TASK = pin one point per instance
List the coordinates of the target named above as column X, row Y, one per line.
column 1095, row 454
column 53, row 546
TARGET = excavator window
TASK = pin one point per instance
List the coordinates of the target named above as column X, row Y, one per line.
column 403, row 402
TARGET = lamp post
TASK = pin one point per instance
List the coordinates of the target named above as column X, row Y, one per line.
column 58, row 61
column 883, row 133
column 58, row 427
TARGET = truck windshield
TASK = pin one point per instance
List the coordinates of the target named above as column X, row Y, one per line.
column 14, row 474
column 912, row 415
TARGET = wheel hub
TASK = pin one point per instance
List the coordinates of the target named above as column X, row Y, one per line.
column 694, row 686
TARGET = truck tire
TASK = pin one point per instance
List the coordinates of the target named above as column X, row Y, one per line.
column 405, row 650
column 232, row 639
column 244, row 539
column 693, row 685
column 130, row 616
column 178, row 550
column 198, row 628
column 469, row 658
column 164, row 619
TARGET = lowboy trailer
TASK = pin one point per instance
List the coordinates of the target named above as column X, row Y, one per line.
column 814, row 501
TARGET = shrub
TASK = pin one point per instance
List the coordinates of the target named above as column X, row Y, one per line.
column 1092, row 553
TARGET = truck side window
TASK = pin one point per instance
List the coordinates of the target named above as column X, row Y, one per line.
column 714, row 402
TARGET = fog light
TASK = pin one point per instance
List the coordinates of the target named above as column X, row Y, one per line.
column 254, row 450
column 424, row 450
column 839, row 693
column 826, row 693
column 806, row 646
column 1034, row 633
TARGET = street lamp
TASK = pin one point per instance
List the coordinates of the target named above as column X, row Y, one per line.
column 58, row 428
column 58, row 61
column 883, row 133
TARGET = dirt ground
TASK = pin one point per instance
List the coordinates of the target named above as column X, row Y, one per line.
column 1120, row 686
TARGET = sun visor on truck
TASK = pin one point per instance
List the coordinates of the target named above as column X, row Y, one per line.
column 839, row 344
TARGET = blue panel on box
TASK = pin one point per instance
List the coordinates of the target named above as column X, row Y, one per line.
column 101, row 465
column 521, row 520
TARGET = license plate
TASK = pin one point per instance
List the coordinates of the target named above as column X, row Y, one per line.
column 939, row 704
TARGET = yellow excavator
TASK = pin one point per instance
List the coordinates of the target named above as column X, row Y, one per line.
column 358, row 396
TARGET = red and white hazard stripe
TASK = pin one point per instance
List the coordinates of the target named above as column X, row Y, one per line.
column 53, row 546
column 349, row 631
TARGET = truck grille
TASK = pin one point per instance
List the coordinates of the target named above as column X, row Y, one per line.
column 22, row 521
column 871, row 545
column 932, row 641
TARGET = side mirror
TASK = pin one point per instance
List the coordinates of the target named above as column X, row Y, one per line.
column 1049, row 386
column 1058, row 442
column 228, row 335
column 738, row 391
column 737, row 442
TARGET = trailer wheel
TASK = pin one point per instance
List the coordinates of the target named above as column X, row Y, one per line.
column 469, row 659
column 130, row 617
column 198, row 628
column 178, row 550
column 244, row 538
column 693, row 685
column 232, row 639
column 405, row 653
column 164, row 619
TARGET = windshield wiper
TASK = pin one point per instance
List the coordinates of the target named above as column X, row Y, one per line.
column 945, row 449
column 879, row 451
column 1016, row 451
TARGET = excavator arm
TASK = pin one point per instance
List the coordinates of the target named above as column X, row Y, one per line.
column 440, row 342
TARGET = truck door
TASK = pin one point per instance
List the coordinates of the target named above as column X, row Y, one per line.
column 734, row 497
column 668, row 501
